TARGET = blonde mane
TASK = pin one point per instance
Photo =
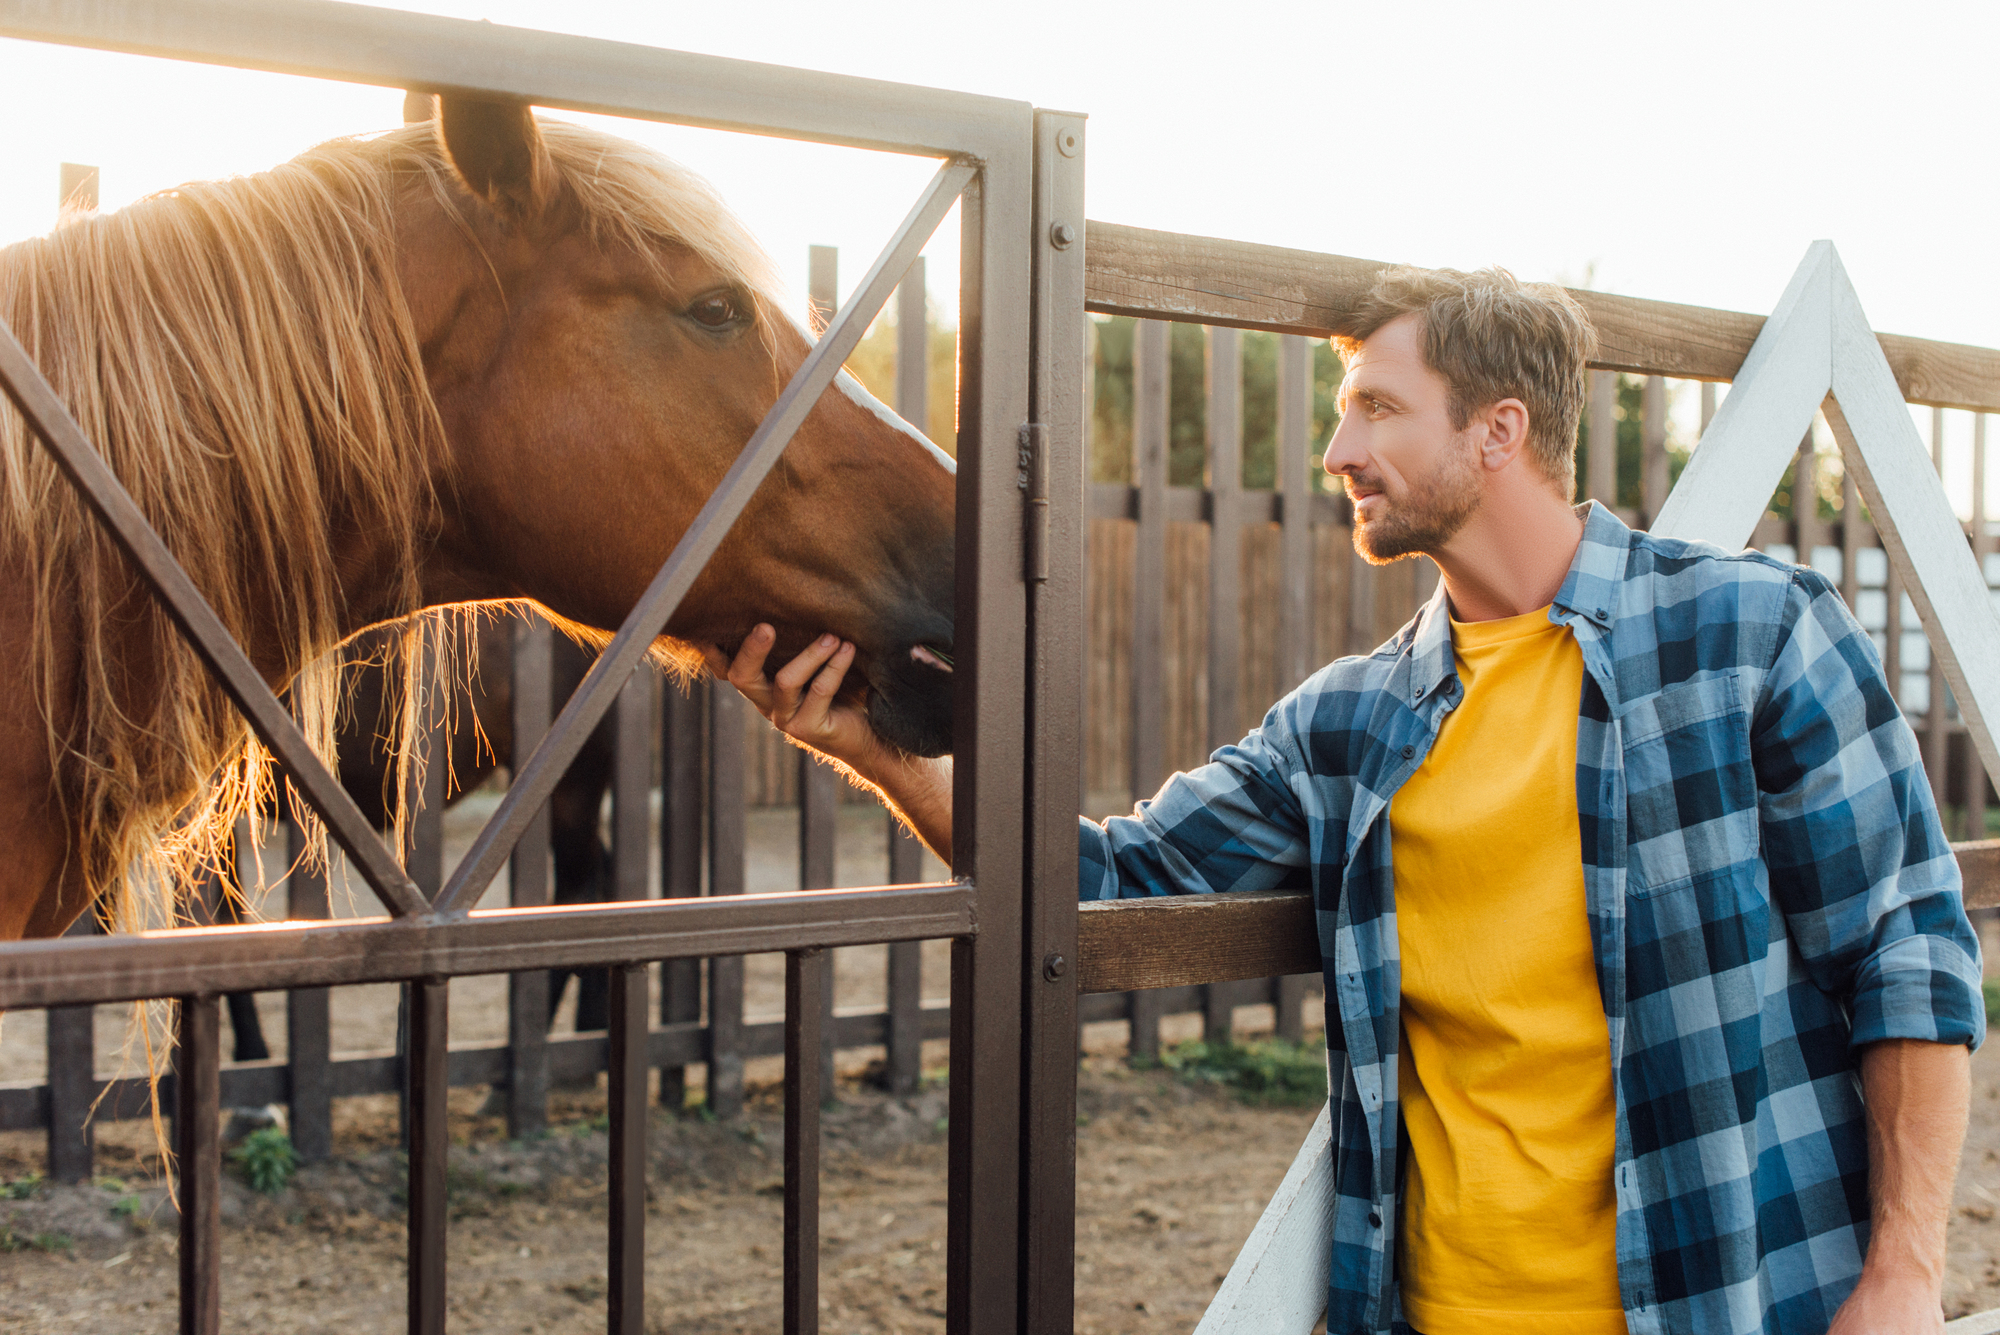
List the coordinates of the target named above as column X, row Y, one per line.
column 242, row 353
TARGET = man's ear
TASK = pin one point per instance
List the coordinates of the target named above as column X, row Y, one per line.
column 496, row 150
column 1506, row 425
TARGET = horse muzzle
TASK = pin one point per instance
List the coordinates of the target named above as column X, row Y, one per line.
column 910, row 695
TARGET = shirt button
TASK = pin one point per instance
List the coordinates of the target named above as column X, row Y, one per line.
column 1374, row 1219
column 1603, row 614
column 1409, row 753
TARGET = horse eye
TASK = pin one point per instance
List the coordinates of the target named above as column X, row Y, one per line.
column 716, row 311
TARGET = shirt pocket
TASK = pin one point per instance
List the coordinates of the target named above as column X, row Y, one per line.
column 1690, row 787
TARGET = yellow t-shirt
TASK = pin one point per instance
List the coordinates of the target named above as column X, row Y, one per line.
column 1505, row 1077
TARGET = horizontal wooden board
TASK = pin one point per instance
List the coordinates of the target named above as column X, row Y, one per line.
column 1180, row 940
column 1201, row 280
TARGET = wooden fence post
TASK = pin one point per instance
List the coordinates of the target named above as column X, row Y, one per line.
column 1601, row 467
column 1975, row 768
column 1151, row 402
column 1937, row 727
column 71, row 1044
column 528, row 887
column 1225, row 588
column 1654, row 472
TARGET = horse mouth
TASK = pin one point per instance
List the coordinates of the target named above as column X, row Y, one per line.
column 931, row 658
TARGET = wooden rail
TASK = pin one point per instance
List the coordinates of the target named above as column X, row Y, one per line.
column 1168, row 276
column 1177, row 940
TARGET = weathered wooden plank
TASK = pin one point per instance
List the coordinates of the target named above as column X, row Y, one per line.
column 1168, row 276
column 1150, row 406
column 1182, row 940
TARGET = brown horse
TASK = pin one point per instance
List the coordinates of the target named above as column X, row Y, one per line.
column 481, row 359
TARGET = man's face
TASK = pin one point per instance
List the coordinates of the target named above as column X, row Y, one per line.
column 1414, row 480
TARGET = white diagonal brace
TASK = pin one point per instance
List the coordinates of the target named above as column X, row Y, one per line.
column 1278, row 1284
column 1743, row 455
column 1922, row 535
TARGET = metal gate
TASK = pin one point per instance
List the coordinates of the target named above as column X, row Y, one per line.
column 1010, row 909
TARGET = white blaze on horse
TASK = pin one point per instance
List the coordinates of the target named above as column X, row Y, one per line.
column 481, row 359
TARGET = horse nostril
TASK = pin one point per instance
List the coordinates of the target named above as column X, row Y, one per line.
column 931, row 657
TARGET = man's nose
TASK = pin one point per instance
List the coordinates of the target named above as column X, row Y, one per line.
column 1343, row 452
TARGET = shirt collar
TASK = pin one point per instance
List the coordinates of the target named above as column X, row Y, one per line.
column 1590, row 591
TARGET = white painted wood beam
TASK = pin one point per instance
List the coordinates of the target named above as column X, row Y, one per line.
column 1278, row 1284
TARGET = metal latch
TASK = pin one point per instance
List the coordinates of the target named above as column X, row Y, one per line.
column 1033, row 446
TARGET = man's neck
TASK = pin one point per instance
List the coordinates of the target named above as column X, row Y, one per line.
column 1513, row 554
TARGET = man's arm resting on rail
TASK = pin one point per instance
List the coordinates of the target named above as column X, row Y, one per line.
column 800, row 701
column 1918, row 1097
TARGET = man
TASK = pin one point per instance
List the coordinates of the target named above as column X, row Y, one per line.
column 1631, row 889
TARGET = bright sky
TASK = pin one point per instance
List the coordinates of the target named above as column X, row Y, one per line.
column 1688, row 154
column 1689, row 157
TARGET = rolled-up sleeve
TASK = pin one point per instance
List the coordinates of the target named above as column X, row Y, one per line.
column 1236, row 823
column 1858, row 859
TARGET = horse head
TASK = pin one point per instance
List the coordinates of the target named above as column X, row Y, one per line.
column 601, row 338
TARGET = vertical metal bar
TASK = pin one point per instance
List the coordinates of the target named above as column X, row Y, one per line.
column 423, row 818
column 429, row 1146
column 1053, row 783
column 308, row 1021
column 804, row 982
column 725, row 877
column 632, row 789
column 528, row 887
column 681, row 722
column 1601, row 465
column 71, row 1044
column 906, row 958
column 1294, row 446
column 819, row 791
column 197, row 1124
column 1975, row 768
column 626, row 1266
column 1225, row 536
column 989, row 824
column 1151, row 402
column 1653, row 470
column 1937, row 727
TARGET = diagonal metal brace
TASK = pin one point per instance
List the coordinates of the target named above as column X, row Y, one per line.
column 546, row 765
column 50, row 420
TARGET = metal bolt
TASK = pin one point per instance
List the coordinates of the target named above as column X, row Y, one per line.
column 1067, row 142
column 1054, row 967
column 1062, row 236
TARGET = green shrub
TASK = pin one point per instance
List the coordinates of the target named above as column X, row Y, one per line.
column 21, row 1188
column 1269, row 1072
column 1992, row 1003
column 267, row 1160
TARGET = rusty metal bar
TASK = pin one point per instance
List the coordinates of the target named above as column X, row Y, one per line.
column 681, row 721
column 805, row 973
column 528, row 887
column 355, row 44
column 626, row 1266
column 725, row 885
column 1052, row 785
column 429, row 1145
column 545, row 767
column 198, row 1127
column 211, row 641
column 273, row 956
column 308, row 1019
column 989, row 833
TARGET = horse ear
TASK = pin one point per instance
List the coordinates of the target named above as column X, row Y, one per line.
column 496, row 150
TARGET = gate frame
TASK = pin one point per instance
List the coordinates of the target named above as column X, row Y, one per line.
column 1011, row 908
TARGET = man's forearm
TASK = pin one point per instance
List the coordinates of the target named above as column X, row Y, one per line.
column 1918, row 1097
column 918, row 790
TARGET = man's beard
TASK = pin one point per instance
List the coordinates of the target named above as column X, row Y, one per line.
column 1427, row 518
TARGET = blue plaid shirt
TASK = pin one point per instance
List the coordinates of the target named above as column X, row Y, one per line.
column 1768, row 889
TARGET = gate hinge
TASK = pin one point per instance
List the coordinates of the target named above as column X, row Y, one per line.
column 1033, row 445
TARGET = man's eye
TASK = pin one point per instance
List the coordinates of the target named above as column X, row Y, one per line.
column 717, row 311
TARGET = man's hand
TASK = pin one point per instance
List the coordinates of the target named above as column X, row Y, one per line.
column 1918, row 1096
column 801, row 699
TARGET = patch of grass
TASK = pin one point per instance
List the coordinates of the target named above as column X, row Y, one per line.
column 22, row 1188
column 10, row 1241
column 267, row 1160
column 127, row 1207
column 1271, row 1072
column 1992, row 990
